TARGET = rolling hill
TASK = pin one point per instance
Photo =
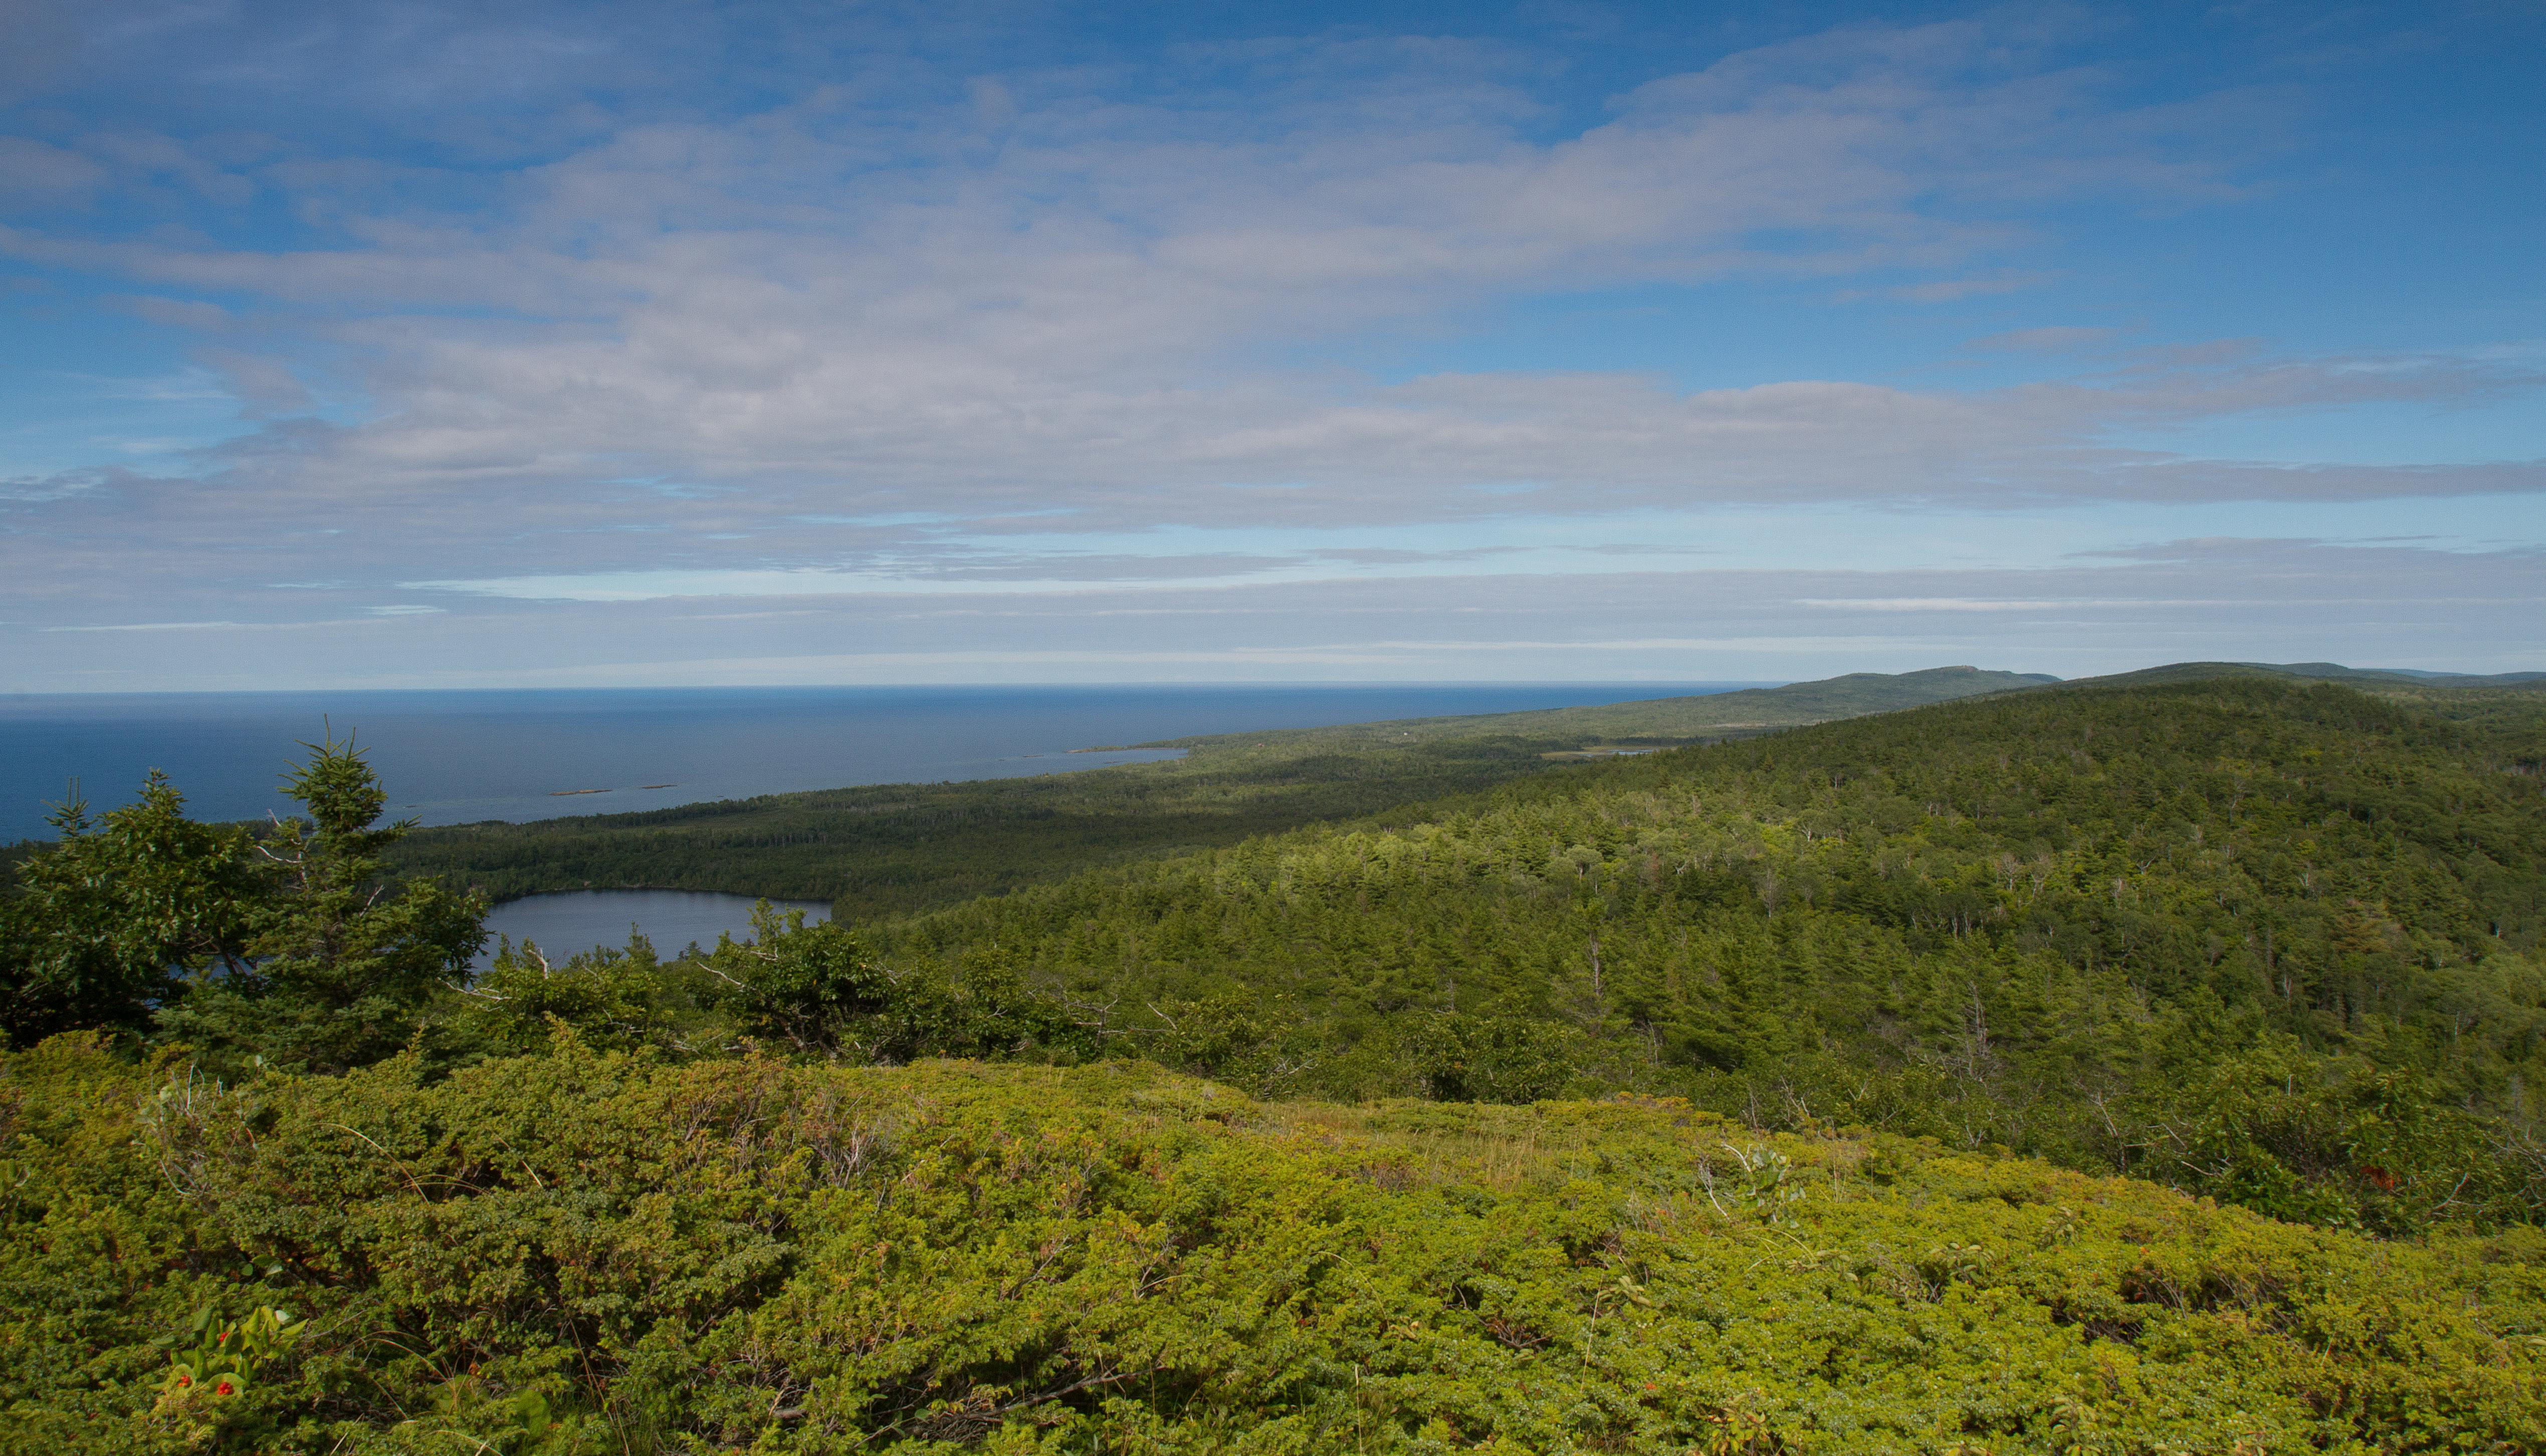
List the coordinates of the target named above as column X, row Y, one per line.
column 1816, row 1090
column 2077, row 921
column 890, row 849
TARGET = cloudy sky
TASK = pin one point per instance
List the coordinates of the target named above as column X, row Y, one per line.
column 402, row 344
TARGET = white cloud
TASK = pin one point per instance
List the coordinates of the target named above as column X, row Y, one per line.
column 2051, row 339
column 265, row 386
column 845, row 343
column 852, row 302
column 2249, row 599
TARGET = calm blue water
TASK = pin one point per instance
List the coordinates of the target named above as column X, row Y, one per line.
column 573, row 922
column 456, row 757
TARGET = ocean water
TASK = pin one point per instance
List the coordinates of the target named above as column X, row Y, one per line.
column 460, row 757
column 571, row 922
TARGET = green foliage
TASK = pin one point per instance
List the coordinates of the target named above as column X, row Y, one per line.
column 107, row 923
column 897, row 849
column 2274, row 944
column 901, row 847
column 589, row 1253
column 2092, row 924
column 816, row 988
column 1674, row 720
column 1504, row 1058
column 811, row 990
column 203, row 1385
column 615, row 1000
column 2284, row 1132
column 341, row 964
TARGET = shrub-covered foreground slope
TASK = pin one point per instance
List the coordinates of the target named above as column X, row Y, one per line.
column 583, row 1253
column 2274, row 941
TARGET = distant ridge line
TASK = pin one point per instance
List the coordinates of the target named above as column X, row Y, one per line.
column 2334, row 672
column 1668, row 722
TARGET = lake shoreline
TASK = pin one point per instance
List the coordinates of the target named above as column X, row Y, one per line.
column 568, row 922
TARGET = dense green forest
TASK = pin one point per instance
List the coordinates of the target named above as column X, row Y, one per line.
column 897, row 849
column 2272, row 940
column 1810, row 1092
column 893, row 849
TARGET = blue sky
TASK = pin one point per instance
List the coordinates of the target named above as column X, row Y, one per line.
column 413, row 345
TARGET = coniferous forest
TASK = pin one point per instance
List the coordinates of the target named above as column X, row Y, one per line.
column 2135, row 1065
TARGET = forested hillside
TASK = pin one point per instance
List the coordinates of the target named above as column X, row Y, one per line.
column 2274, row 941
column 1830, row 1047
column 1671, row 721
column 897, row 849
column 1714, row 716
column 892, row 848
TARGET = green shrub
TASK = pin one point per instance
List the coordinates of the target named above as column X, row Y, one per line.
column 580, row 1250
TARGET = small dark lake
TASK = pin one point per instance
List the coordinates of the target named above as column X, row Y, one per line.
column 574, row 920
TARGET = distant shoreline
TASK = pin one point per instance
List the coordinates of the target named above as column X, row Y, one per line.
column 520, row 756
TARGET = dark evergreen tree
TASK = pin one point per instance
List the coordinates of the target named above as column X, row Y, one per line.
column 114, row 919
column 344, row 960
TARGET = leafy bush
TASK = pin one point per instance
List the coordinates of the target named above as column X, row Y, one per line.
column 106, row 923
column 588, row 1252
column 291, row 946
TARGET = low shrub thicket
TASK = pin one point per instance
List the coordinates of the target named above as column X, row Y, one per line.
column 585, row 1251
